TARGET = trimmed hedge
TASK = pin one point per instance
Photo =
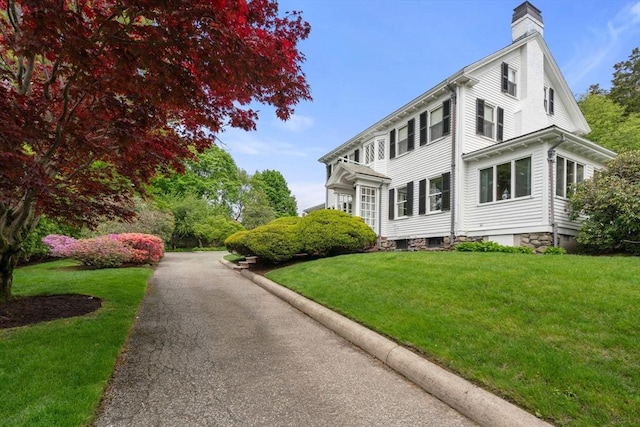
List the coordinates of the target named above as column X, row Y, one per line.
column 322, row 233
column 329, row 232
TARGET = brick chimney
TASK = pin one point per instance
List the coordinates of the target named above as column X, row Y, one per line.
column 527, row 19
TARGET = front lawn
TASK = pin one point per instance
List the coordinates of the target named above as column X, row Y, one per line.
column 54, row 373
column 557, row 335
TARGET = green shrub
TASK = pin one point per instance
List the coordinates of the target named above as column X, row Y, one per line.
column 236, row 243
column 329, row 232
column 553, row 250
column 490, row 246
column 215, row 229
column 274, row 242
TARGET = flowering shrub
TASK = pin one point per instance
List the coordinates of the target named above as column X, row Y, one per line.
column 102, row 252
column 108, row 251
column 60, row 246
column 145, row 248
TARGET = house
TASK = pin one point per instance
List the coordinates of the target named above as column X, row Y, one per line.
column 490, row 153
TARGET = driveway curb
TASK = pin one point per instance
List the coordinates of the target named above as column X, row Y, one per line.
column 479, row 405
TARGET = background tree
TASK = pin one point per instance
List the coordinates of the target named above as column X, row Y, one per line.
column 257, row 209
column 611, row 203
column 274, row 186
column 625, row 85
column 610, row 127
column 97, row 97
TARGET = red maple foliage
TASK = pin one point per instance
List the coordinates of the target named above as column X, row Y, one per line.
column 98, row 96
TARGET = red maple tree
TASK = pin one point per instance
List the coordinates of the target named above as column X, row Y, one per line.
column 98, row 96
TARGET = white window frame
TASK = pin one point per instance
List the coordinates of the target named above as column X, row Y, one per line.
column 502, row 193
column 436, row 129
column 512, row 82
column 401, row 204
column 381, row 149
column 345, row 203
column 490, row 124
column 369, row 150
column 402, row 145
column 566, row 180
column 434, row 194
column 368, row 206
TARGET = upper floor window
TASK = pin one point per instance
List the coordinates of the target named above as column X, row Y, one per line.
column 568, row 174
column 369, row 153
column 548, row 100
column 509, row 80
column 381, row 149
column 401, row 139
column 440, row 122
column 506, row 181
column 489, row 120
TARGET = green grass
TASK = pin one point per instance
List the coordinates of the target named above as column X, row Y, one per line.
column 557, row 335
column 54, row 373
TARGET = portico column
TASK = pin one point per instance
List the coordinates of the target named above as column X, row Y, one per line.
column 358, row 201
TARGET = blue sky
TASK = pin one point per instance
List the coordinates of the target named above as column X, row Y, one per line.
column 366, row 58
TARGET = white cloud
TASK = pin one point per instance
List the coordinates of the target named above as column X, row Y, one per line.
column 252, row 144
column 296, row 123
column 603, row 44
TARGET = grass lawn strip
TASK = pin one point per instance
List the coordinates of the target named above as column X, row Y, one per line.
column 54, row 373
column 557, row 335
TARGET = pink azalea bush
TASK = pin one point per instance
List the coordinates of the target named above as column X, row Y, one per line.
column 102, row 252
column 112, row 250
column 145, row 248
column 59, row 245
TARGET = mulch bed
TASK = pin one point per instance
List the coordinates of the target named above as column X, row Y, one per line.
column 42, row 308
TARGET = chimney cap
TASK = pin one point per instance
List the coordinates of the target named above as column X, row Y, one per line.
column 524, row 9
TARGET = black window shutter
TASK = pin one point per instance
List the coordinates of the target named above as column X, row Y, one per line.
column 328, row 171
column 356, row 156
column 411, row 134
column 392, row 144
column 409, row 198
column 392, row 205
column 423, row 128
column 500, row 131
column 422, row 197
column 550, row 101
column 505, row 77
column 480, row 116
column 446, row 117
column 446, row 191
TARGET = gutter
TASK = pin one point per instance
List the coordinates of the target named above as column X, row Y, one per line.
column 551, row 159
column 452, row 184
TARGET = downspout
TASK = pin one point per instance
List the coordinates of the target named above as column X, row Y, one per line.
column 452, row 184
column 380, row 216
column 551, row 159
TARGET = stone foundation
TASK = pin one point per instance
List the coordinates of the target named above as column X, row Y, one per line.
column 537, row 241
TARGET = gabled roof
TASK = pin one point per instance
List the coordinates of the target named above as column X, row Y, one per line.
column 463, row 77
column 552, row 134
column 346, row 173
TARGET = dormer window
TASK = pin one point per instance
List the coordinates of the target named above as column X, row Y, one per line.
column 509, row 80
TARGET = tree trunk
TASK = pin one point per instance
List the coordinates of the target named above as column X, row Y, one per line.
column 8, row 261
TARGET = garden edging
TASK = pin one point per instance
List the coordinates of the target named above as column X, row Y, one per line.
column 479, row 405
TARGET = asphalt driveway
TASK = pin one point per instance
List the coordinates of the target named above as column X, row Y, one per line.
column 211, row 348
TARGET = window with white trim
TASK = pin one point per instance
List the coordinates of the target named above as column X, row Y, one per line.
column 549, row 95
column 401, row 202
column 509, row 80
column 368, row 206
column 439, row 122
column 568, row 174
column 369, row 153
column 435, row 194
column 489, row 120
column 506, row 181
column 381, row 149
column 345, row 203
